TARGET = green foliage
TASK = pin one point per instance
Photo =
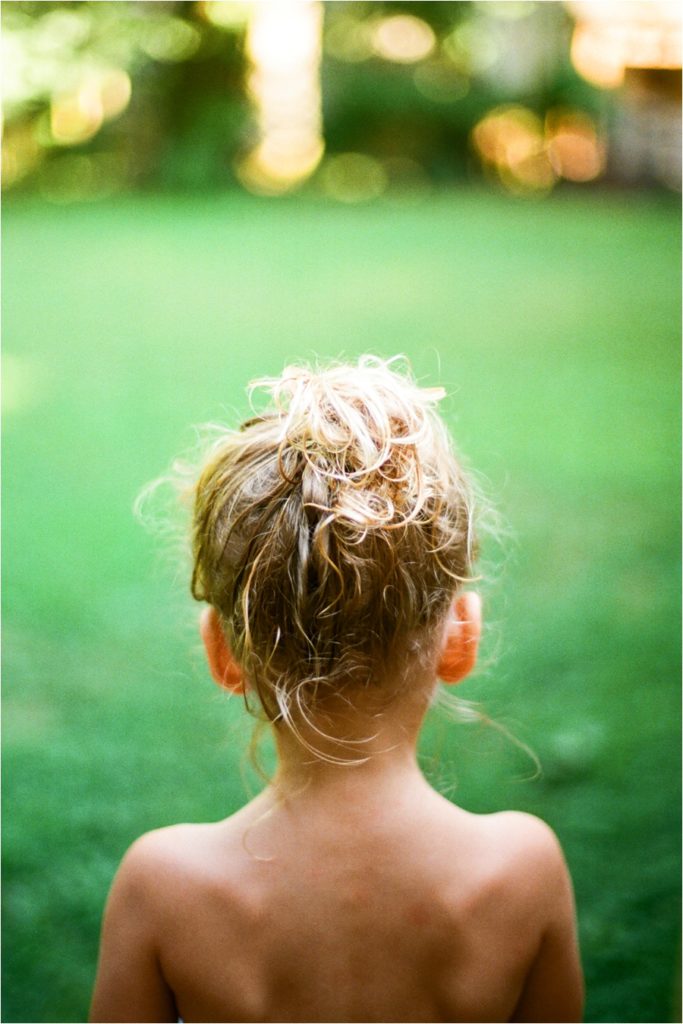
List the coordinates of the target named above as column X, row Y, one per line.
column 190, row 117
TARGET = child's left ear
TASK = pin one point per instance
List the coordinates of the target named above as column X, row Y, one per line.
column 461, row 641
column 223, row 667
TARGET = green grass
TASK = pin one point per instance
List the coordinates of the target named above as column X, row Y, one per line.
column 555, row 327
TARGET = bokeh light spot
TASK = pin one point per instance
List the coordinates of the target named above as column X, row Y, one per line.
column 170, row 39
column 226, row 14
column 279, row 162
column 353, row 177
column 472, row 48
column 63, row 30
column 574, row 148
column 115, row 92
column 403, row 38
column 284, row 44
column 21, row 152
column 611, row 36
column 525, row 154
column 78, row 117
column 510, row 141
column 440, row 81
column 349, row 39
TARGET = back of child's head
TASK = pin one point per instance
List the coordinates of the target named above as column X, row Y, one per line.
column 330, row 533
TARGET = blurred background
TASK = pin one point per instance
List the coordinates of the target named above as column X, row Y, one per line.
column 352, row 100
column 196, row 193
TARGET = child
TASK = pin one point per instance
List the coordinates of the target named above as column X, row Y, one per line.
column 332, row 538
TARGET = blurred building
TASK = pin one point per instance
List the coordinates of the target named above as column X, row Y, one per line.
column 634, row 50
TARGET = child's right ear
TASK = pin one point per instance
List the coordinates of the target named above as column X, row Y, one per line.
column 461, row 640
column 223, row 667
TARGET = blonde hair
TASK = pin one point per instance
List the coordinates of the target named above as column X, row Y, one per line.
column 331, row 531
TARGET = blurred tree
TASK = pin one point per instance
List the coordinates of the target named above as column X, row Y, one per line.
column 423, row 106
column 181, row 114
column 105, row 95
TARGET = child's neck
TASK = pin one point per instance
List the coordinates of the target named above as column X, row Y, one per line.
column 363, row 746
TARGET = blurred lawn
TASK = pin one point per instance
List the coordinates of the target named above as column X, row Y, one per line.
column 555, row 327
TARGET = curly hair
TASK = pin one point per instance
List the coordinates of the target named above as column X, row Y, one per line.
column 331, row 531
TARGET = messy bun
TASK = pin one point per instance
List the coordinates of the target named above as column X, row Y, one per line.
column 331, row 531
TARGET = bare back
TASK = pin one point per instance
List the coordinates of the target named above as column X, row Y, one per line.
column 400, row 907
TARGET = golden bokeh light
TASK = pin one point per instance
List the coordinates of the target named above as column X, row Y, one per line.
column 611, row 36
column 574, row 148
column 284, row 35
column 598, row 55
column 280, row 161
column 508, row 135
column 527, row 155
column 21, row 152
column 284, row 46
column 403, row 38
column 530, row 173
column 78, row 116
column 115, row 92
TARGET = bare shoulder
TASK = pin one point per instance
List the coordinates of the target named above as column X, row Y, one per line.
column 160, row 873
column 538, row 877
column 520, row 855
column 175, row 855
column 530, row 867
column 166, row 845
column 528, row 842
column 525, row 831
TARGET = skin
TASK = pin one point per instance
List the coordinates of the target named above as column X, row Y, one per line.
column 345, row 893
